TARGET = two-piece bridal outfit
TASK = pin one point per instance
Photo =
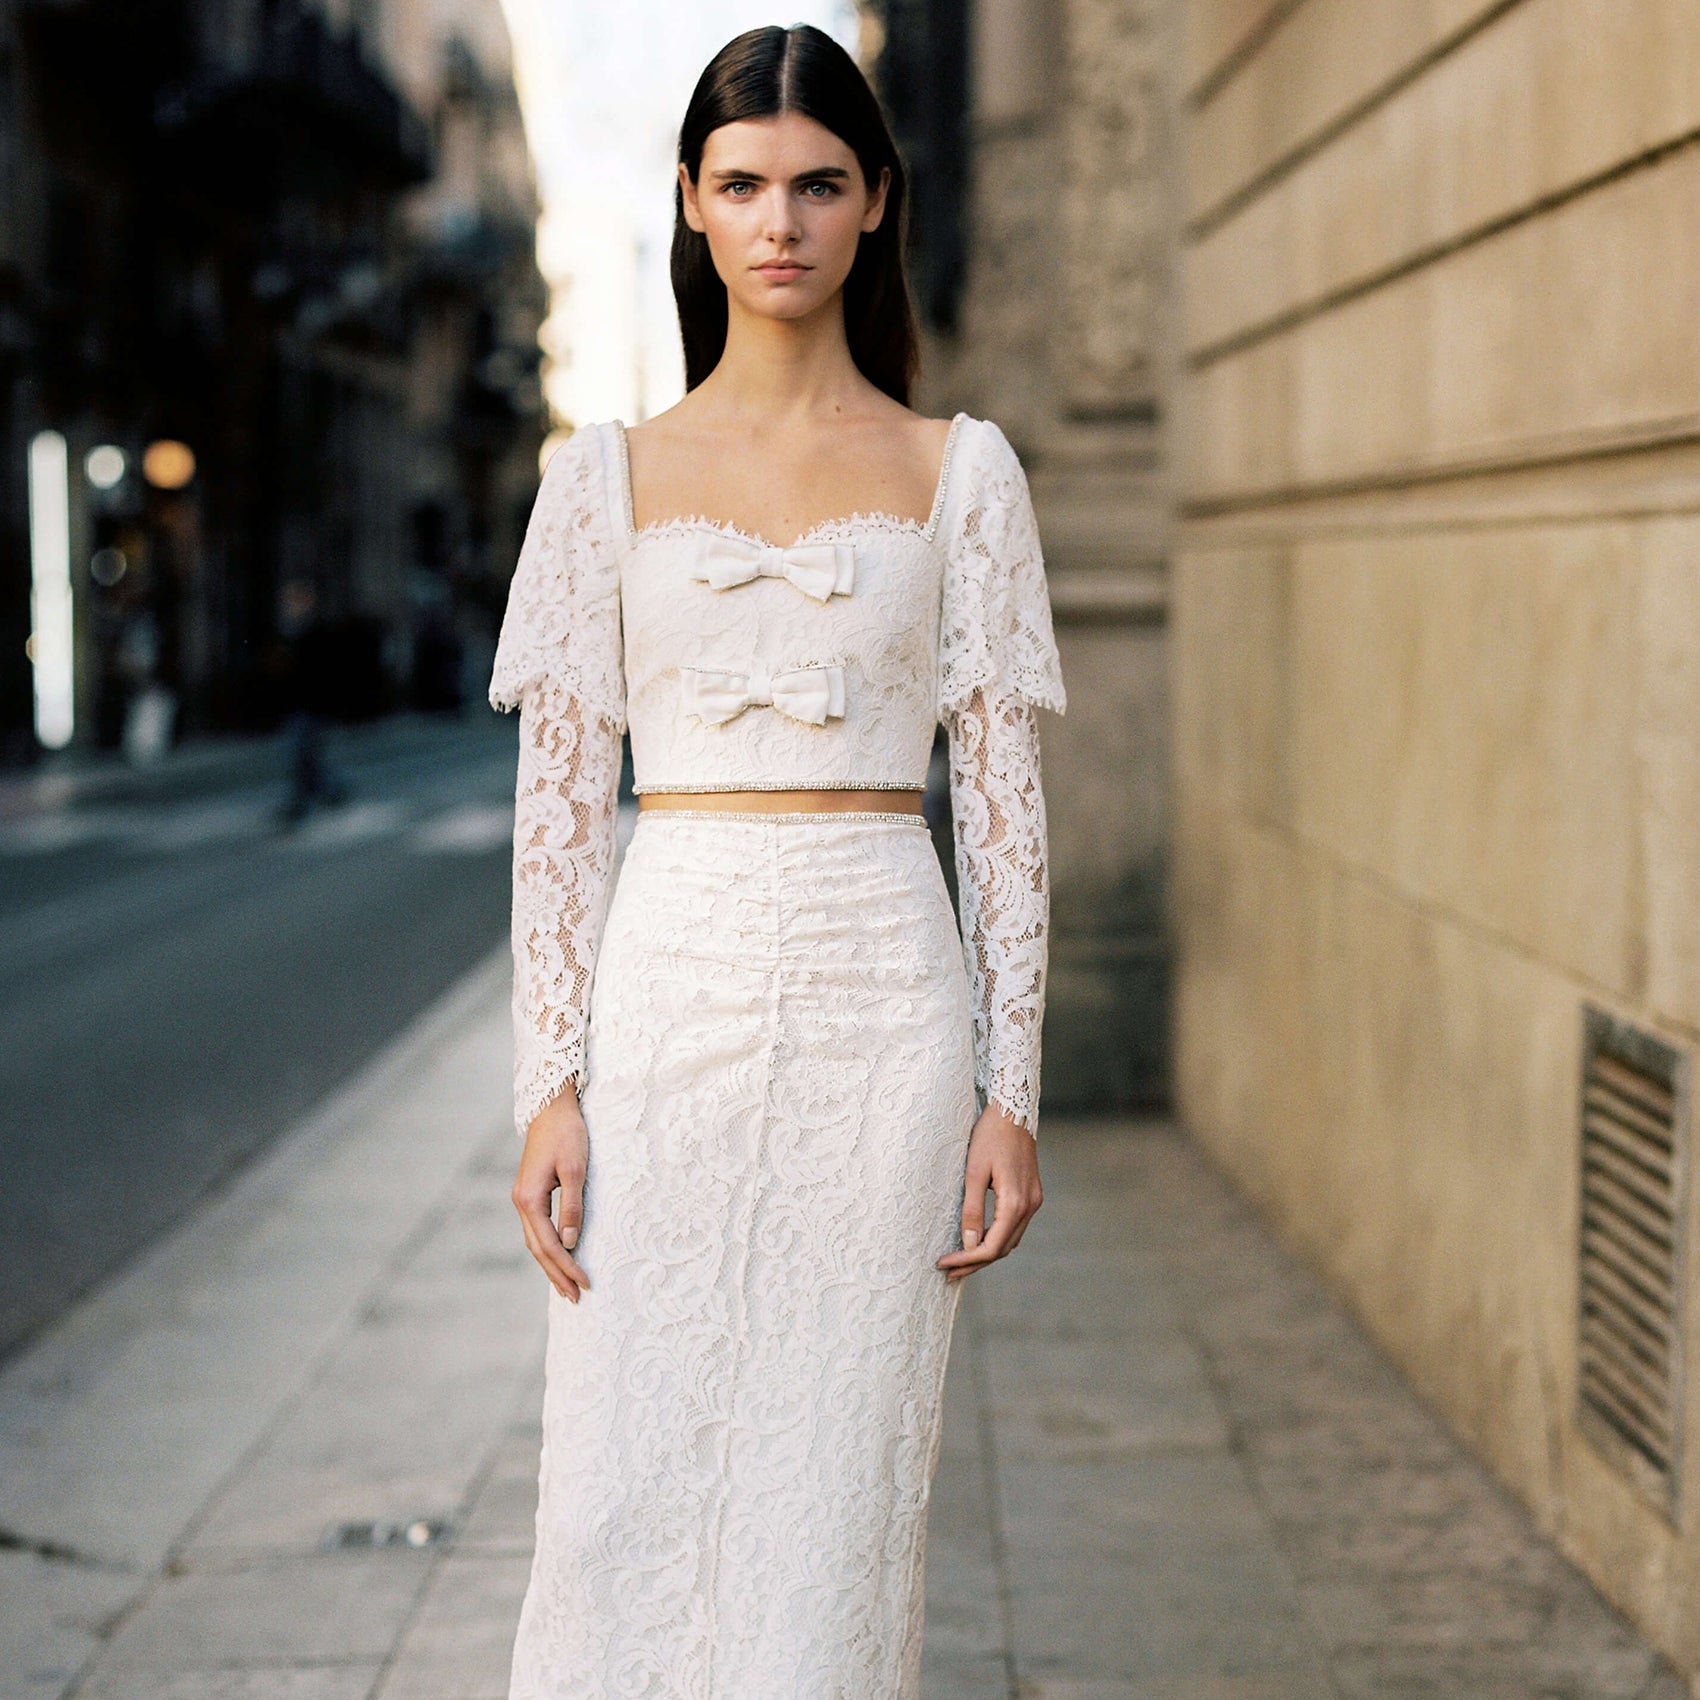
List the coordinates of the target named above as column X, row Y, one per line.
column 780, row 1045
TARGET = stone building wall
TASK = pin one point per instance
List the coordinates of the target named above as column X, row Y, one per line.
column 1436, row 678
column 1060, row 339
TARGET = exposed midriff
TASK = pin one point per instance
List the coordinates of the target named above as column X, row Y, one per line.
column 786, row 802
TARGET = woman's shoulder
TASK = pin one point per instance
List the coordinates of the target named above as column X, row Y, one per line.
column 983, row 469
column 582, row 469
column 577, row 451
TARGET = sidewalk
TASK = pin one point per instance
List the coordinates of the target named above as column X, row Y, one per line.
column 291, row 1453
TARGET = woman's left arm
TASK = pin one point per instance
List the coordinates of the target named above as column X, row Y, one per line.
column 998, row 808
column 998, row 666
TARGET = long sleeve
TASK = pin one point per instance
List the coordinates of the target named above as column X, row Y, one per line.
column 998, row 665
column 998, row 808
column 565, row 802
column 559, row 661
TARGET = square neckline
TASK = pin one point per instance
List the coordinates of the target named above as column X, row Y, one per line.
column 874, row 519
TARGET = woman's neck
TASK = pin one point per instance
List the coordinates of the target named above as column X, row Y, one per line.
column 778, row 369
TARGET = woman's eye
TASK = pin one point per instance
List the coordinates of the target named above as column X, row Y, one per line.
column 827, row 190
column 734, row 189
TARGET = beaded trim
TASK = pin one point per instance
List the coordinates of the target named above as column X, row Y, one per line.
column 816, row 533
column 943, row 489
column 788, row 815
column 787, row 785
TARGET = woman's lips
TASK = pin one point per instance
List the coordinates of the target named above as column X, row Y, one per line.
column 782, row 273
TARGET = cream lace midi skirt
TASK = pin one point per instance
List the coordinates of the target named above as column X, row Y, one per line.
column 741, row 1417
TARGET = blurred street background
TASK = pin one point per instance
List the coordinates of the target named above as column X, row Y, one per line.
column 1351, row 353
column 180, row 981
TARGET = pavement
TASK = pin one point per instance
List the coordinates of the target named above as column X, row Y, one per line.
column 289, row 1452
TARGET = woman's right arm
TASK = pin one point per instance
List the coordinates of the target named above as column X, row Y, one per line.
column 565, row 803
column 559, row 662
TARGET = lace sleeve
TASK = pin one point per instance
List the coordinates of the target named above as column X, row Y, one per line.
column 999, row 812
column 559, row 662
column 998, row 664
column 564, row 813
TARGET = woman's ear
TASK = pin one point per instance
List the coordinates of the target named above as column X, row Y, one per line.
column 876, row 201
column 688, row 193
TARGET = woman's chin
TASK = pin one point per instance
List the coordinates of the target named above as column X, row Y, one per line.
column 796, row 300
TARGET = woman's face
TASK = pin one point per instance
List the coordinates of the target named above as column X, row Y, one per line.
column 783, row 204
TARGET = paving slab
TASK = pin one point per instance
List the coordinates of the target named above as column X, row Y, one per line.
column 335, row 1607
column 460, row 1645
column 247, row 1682
column 54, row 1616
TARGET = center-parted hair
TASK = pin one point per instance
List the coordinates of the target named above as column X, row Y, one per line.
column 762, row 74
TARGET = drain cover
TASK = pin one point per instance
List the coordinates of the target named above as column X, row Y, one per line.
column 415, row 1532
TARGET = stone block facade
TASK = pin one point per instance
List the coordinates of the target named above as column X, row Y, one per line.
column 1435, row 653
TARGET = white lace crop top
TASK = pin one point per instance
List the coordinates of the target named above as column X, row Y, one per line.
column 740, row 665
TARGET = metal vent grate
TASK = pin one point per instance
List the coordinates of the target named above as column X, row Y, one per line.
column 1629, row 1341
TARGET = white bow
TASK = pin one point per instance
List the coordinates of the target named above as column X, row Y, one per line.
column 813, row 694
column 817, row 569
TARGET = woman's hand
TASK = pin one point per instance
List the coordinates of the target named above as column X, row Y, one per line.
column 557, row 1147
column 1002, row 1155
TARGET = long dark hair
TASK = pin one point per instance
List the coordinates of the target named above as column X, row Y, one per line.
column 761, row 74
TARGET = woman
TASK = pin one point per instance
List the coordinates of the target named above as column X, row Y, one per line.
column 771, row 1127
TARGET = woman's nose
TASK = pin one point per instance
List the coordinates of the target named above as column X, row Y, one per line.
column 780, row 214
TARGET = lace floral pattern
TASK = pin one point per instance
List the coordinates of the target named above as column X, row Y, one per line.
column 998, row 810
column 741, row 1418
column 883, row 636
column 563, row 615
column 996, row 629
column 997, row 663
column 565, row 805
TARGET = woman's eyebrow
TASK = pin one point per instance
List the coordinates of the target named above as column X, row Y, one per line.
column 802, row 176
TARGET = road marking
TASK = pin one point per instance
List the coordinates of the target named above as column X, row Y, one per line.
column 47, row 835
column 353, row 823
column 171, row 832
column 471, row 830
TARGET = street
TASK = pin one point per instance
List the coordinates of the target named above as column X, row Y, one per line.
column 180, row 980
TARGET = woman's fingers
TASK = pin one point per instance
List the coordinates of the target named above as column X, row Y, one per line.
column 996, row 1243
column 569, row 1210
column 554, row 1160
column 1015, row 1205
column 551, row 1246
column 1030, row 1210
column 974, row 1185
column 537, row 1248
column 541, row 1240
column 569, row 1214
column 989, row 1250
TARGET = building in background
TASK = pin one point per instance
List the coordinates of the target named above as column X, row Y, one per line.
column 1037, row 135
column 266, row 267
column 1437, row 714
